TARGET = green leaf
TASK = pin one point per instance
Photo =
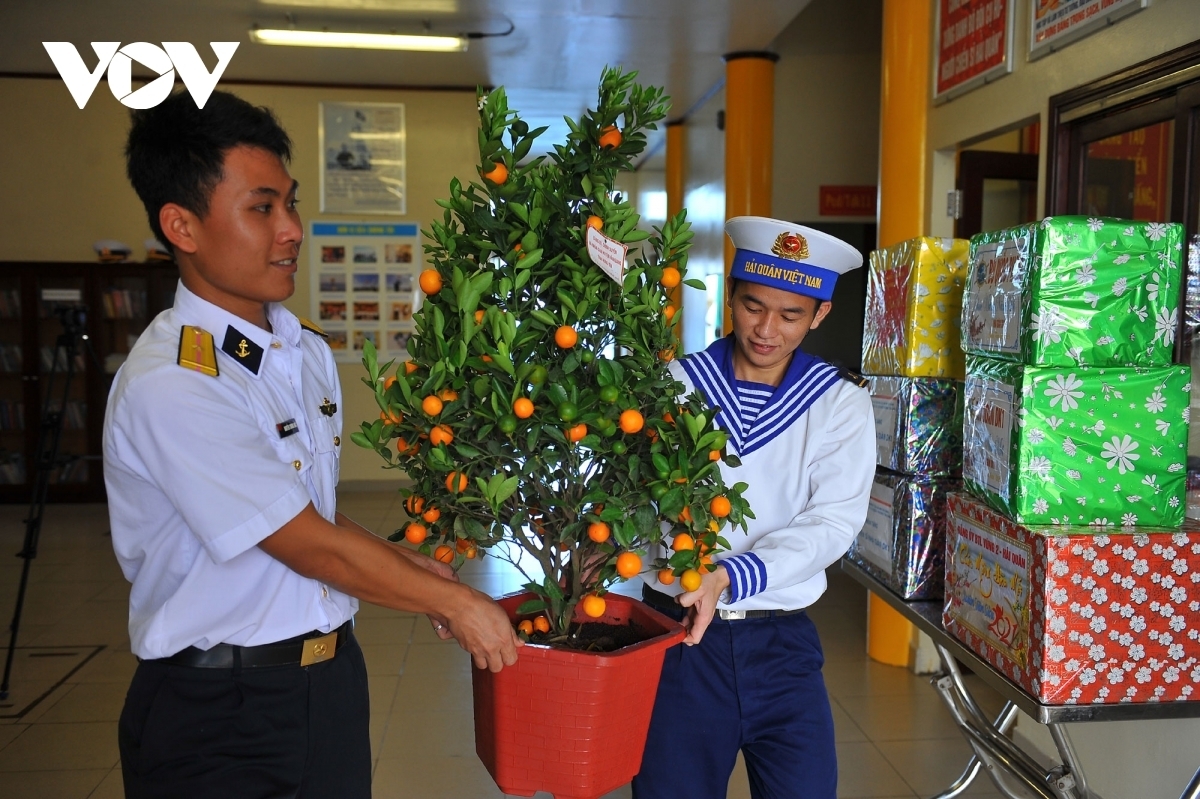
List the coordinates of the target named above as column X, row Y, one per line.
column 696, row 284
column 506, row 489
column 529, row 606
column 552, row 589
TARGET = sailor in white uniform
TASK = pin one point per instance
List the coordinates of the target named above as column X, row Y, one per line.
column 222, row 437
column 750, row 677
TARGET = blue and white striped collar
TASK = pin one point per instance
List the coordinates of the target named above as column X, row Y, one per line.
column 806, row 379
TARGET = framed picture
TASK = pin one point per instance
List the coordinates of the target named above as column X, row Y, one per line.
column 364, row 275
column 362, row 159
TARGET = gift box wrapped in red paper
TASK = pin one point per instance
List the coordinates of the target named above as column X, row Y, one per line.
column 1076, row 614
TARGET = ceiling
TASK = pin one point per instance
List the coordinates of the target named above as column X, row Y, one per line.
column 549, row 63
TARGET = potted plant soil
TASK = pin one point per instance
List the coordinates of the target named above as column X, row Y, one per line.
column 539, row 423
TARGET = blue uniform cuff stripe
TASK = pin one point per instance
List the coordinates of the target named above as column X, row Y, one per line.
column 735, row 579
column 747, row 576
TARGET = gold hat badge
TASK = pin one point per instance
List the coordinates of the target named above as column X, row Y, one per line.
column 792, row 246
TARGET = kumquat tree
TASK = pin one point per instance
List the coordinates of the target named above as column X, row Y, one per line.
column 538, row 414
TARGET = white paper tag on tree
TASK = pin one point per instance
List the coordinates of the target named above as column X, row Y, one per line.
column 608, row 254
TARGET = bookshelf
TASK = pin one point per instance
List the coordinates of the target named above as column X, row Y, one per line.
column 119, row 301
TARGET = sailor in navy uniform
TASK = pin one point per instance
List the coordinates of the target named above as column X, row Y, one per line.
column 222, row 439
column 750, row 678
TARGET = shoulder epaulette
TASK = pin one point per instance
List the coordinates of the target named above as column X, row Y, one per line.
column 311, row 328
column 196, row 351
column 854, row 377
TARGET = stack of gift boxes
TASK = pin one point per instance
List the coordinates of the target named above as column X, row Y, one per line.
column 1067, row 566
column 912, row 355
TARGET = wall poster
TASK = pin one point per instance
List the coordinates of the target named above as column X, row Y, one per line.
column 363, row 158
column 974, row 44
column 1056, row 23
column 363, row 282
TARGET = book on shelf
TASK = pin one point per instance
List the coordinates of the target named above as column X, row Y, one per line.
column 12, row 415
column 72, row 469
column 75, row 415
column 124, row 304
column 10, row 304
column 48, row 360
column 10, row 357
column 12, row 467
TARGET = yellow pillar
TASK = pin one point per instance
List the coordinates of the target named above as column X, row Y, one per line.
column 749, row 138
column 674, row 181
column 904, row 103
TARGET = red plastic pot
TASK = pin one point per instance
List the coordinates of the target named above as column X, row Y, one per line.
column 572, row 723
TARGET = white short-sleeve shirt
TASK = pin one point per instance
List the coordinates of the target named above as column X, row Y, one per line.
column 200, row 469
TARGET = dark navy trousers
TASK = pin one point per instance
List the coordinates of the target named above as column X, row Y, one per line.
column 753, row 685
column 286, row 732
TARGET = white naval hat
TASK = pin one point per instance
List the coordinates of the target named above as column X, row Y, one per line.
column 786, row 256
column 111, row 251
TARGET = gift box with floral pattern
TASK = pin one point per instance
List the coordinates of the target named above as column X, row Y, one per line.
column 903, row 539
column 1075, row 615
column 918, row 424
column 1075, row 290
column 914, row 302
column 1055, row 445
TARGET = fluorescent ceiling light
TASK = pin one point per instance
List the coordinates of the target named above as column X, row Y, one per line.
column 365, row 41
column 393, row 6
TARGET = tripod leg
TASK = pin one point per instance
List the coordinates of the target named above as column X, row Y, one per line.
column 49, row 438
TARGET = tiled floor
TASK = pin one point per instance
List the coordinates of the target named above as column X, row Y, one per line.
column 894, row 738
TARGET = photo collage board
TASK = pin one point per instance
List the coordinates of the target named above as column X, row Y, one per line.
column 364, row 286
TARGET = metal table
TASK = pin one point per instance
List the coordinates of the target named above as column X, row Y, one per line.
column 1014, row 771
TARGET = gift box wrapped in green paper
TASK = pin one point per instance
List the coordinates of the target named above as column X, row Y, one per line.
column 1075, row 290
column 1077, row 445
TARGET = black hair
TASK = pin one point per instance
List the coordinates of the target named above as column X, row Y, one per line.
column 176, row 151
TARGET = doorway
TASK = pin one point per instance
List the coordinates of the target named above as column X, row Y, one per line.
column 997, row 182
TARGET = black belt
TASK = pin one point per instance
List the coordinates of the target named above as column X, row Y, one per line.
column 303, row 650
column 667, row 604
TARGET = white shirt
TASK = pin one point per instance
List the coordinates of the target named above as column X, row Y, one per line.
column 809, row 487
column 199, row 471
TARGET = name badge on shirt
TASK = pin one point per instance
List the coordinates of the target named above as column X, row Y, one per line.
column 287, row 428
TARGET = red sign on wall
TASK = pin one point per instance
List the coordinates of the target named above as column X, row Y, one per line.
column 974, row 43
column 848, row 200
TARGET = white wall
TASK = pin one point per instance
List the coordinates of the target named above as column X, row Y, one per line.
column 826, row 105
column 704, row 198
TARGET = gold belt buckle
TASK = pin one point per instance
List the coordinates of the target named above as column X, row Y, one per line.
column 318, row 650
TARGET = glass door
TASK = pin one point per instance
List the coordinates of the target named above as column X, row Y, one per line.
column 62, row 375
column 124, row 310
column 1128, row 174
column 13, row 382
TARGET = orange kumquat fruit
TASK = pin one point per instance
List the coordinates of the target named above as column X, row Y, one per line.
column 629, row 564
column 415, row 533
column 566, row 337
column 430, row 282
column 593, row 606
